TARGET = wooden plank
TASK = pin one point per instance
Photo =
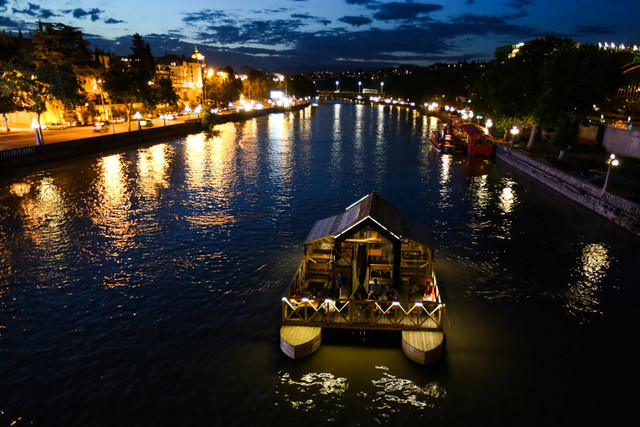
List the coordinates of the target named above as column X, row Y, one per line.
column 300, row 341
column 422, row 346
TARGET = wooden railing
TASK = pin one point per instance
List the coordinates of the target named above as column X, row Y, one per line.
column 363, row 314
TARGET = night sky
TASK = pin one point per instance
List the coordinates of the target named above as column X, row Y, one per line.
column 331, row 34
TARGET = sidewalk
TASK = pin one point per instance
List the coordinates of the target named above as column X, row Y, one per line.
column 21, row 137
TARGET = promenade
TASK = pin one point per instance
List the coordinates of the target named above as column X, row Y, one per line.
column 23, row 137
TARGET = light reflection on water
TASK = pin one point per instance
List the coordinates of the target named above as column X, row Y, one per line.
column 583, row 294
column 390, row 394
column 140, row 279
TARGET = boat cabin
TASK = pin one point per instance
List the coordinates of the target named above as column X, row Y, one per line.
column 369, row 245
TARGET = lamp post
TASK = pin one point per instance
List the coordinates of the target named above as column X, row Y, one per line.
column 612, row 161
column 337, row 86
column 359, row 87
column 137, row 116
column 487, row 125
column 514, row 131
column 381, row 87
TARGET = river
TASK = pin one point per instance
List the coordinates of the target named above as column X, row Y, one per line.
column 143, row 287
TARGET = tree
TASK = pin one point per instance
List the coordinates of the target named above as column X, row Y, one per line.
column 547, row 78
column 256, row 86
column 118, row 84
column 301, row 86
column 224, row 86
column 166, row 95
column 48, row 72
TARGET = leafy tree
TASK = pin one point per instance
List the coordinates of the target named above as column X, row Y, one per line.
column 118, row 84
column 256, row 86
column 47, row 72
column 166, row 95
column 224, row 87
column 547, row 78
column 142, row 68
column 565, row 132
column 301, row 86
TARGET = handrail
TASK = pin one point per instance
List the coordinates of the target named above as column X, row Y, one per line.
column 364, row 314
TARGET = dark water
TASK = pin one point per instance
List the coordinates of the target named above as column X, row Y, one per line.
column 143, row 287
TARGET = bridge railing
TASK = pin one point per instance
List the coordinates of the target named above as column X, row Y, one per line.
column 363, row 314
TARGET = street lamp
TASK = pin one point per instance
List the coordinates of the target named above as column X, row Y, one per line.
column 337, row 86
column 612, row 161
column 359, row 87
column 487, row 125
column 381, row 87
column 137, row 116
column 514, row 131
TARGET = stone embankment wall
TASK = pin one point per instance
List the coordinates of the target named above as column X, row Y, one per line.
column 619, row 210
column 10, row 159
column 622, row 142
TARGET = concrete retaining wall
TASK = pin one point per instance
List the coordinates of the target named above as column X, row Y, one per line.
column 619, row 210
column 19, row 157
column 622, row 141
column 67, row 149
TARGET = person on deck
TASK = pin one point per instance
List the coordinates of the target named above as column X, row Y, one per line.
column 429, row 292
column 340, row 284
column 374, row 290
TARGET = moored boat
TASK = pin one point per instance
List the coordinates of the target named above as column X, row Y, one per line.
column 446, row 140
column 367, row 268
column 476, row 141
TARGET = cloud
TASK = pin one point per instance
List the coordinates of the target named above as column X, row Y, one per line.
column 356, row 21
column 9, row 23
column 205, row 15
column 306, row 16
column 594, row 29
column 519, row 4
column 113, row 21
column 402, row 11
column 94, row 13
column 33, row 10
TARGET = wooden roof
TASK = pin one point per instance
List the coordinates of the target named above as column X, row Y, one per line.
column 376, row 212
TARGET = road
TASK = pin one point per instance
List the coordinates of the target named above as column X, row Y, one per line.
column 21, row 138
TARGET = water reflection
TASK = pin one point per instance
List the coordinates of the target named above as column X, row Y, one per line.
column 152, row 168
column 582, row 295
column 391, row 394
column 196, row 159
column 110, row 211
column 393, row 391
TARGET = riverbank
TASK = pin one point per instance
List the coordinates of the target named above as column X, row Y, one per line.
column 67, row 145
column 615, row 208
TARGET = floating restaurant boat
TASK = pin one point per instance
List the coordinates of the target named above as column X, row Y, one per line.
column 476, row 141
column 446, row 140
column 385, row 266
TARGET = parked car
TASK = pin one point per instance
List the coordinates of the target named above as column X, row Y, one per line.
column 55, row 126
column 100, row 127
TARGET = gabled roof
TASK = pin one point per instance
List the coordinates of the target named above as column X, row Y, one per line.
column 473, row 130
column 376, row 211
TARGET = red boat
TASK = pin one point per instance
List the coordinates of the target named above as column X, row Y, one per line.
column 477, row 142
column 446, row 140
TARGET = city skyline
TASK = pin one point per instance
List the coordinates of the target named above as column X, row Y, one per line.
column 338, row 34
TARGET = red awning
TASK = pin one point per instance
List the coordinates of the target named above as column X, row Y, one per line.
column 473, row 130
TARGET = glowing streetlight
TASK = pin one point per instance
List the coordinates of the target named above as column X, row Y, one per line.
column 612, row 161
column 514, row 132
column 487, row 125
column 359, row 87
column 381, row 87
column 137, row 116
column 337, row 86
